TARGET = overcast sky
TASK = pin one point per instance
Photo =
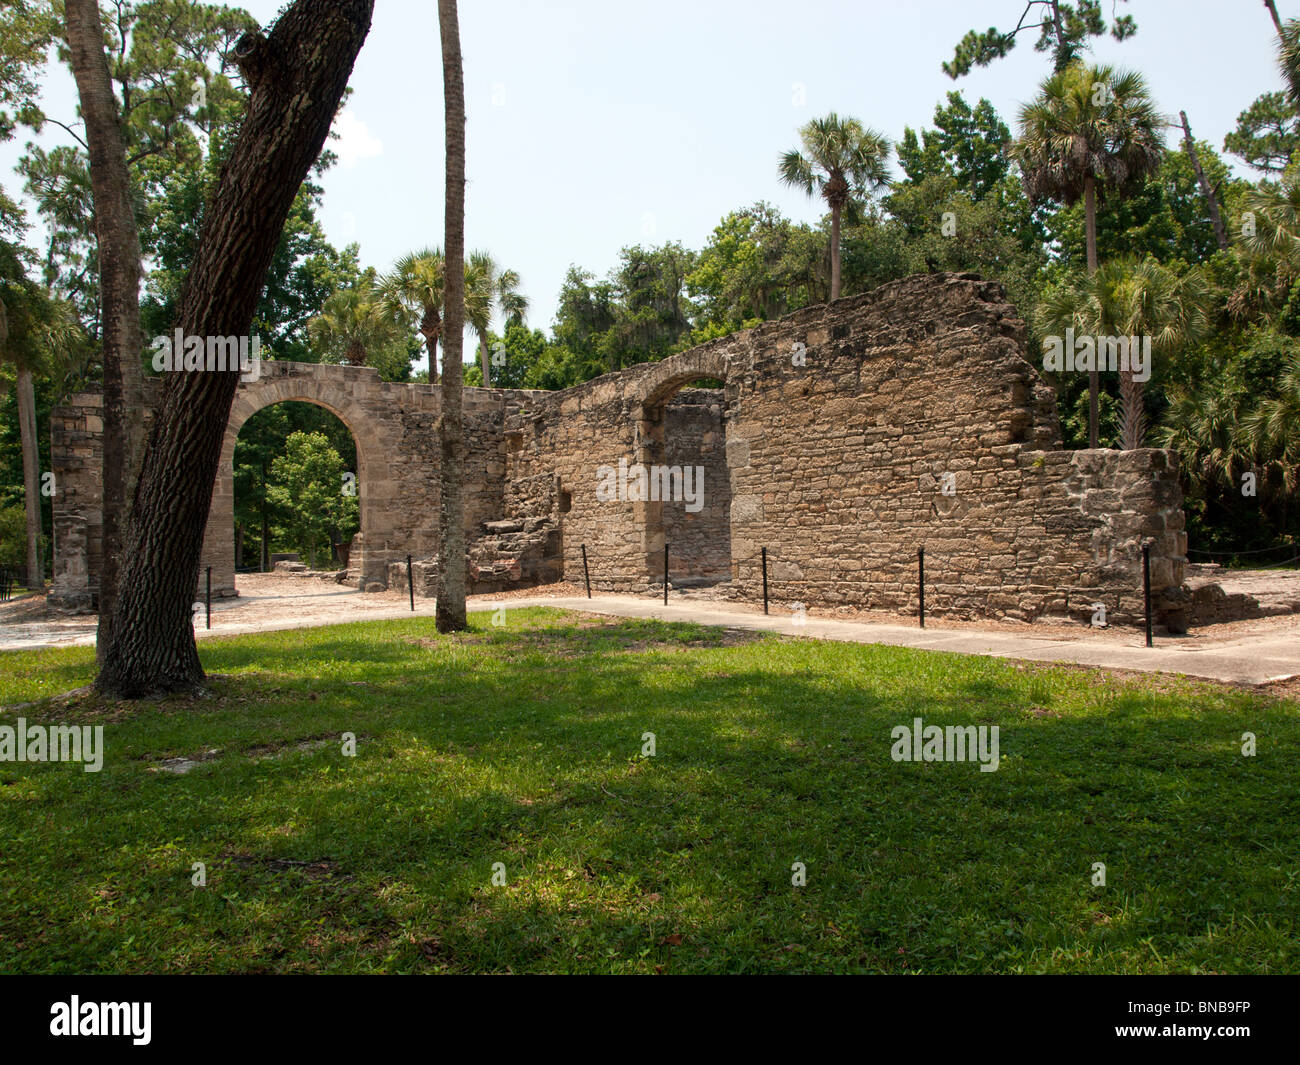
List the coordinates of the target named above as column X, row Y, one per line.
column 598, row 124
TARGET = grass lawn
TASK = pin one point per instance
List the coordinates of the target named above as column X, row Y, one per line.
column 522, row 745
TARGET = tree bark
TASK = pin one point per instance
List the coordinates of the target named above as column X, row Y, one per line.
column 835, row 253
column 1090, row 238
column 296, row 75
column 449, row 610
column 118, row 242
column 1062, row 57
column 484, row 358
column 1272, row 10
column 1132, row 415
column 1220, row 234
column 31, row 477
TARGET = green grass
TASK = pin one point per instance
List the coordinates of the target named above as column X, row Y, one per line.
column 521, row 745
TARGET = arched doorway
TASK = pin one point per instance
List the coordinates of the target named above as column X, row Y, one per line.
column 374, row 546
column 681, row 441
column 296, row 488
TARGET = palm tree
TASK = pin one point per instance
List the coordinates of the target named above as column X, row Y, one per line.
column 1090, row 128
column 487, row 284
column 1137, row 300
column 1273, row 427
column 449, row 610
column 1288, row 50
column 353, row 322
column 415, row 287
column 1203, row 425
column 845, row 162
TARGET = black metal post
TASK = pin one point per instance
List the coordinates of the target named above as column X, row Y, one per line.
column 410, row 582
column 1146, row 586
column 586, row 573
column 665, row 573
column 209, row 597
column 920, row 580
column 765, row 580
column 265, row 560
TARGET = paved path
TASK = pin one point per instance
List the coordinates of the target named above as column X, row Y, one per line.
column 1255, row 658
column 1251, row 658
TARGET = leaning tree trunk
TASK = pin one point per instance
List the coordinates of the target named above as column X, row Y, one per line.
column 31, row 476
column 118, row 242
column 1090, row 239
column 449, row 611
column 1211, row 203
column 296, row 76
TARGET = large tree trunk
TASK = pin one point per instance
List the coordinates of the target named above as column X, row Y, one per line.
column 118, row 242
column 835, row 252
column 296, row 76
column 1211, row 203
column 449, row 610
column 31, row 476
column 1090, row 239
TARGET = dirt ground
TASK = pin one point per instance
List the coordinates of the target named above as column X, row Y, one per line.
column 270, row 601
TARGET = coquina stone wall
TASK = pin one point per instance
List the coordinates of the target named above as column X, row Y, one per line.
column 844, row 437
column 856, row 433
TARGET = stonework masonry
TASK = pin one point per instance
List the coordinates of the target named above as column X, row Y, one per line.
column 843, row 437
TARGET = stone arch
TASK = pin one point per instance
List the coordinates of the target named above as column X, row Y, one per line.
column 333, row 388
column 666, row 377
column 649, row 396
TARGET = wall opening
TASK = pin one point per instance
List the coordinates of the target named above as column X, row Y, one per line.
column 297, row 488
column 682, row 442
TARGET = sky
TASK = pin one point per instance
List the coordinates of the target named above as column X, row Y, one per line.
column 595, row 125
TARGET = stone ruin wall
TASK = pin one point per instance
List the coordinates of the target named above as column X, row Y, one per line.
column 836, row 466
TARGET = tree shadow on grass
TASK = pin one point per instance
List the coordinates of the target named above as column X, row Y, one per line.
column 762, row 760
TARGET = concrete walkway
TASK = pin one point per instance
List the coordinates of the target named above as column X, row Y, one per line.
column 1251, row 658
column 1255, row 658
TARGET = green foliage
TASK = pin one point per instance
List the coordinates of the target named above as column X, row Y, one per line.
column 308, row 486
column 355, row 326
column 640, row 313
column 13, row 537
column 1267, row 134
column 262, row 440
column 756, row 265
column 1064, row 30
column 970, row 144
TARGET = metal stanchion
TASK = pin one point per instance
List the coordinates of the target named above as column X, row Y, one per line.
column 920, row 581
column 1146, row 587
column 665, row 573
